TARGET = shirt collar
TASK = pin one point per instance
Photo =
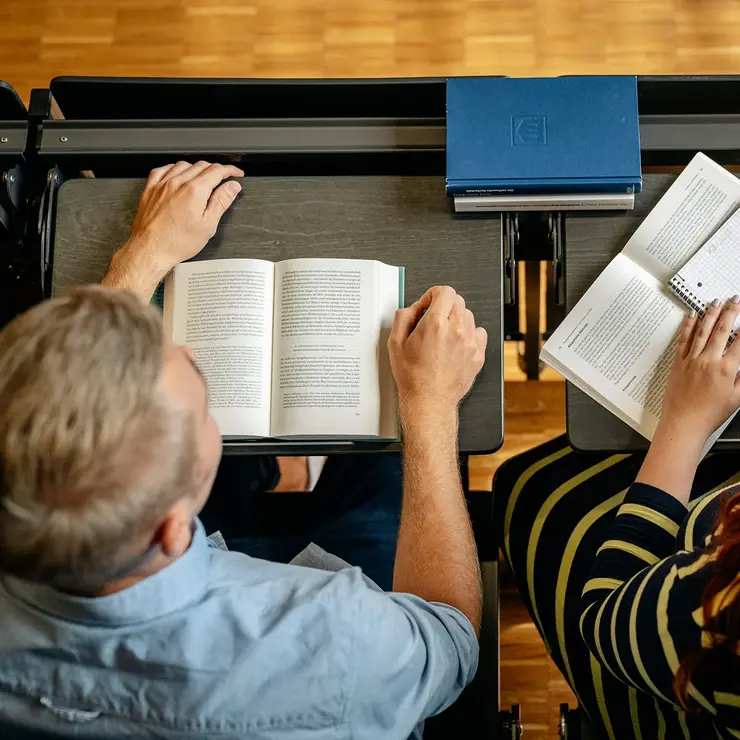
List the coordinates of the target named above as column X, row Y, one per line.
column 170, row 589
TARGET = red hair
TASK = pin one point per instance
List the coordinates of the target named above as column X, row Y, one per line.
column 721, row 620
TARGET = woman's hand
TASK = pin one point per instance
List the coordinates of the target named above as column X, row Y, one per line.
column 702, row 393
column 703, row 390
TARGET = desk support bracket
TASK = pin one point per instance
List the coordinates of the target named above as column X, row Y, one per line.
column 45, row 227
column 555, row 295
column 533, row 239
column 509, row 239
column 10, row 198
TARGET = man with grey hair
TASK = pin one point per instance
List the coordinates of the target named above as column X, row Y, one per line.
column 117, row 617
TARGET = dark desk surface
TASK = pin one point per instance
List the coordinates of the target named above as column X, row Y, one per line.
column 591, row 242
column 400, row 220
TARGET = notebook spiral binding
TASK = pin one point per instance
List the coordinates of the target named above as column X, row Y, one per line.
column 693, row 301
column 688, row 296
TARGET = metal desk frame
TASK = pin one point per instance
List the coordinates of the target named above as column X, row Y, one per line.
column 126, row 126
column 370, row 126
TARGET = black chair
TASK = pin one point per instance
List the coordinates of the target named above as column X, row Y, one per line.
column 15, row 264
column 11, row 105
column 575, row 725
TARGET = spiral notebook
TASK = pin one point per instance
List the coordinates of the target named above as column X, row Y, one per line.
column 713, row 272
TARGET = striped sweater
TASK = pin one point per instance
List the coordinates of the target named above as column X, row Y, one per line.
column 641, row 607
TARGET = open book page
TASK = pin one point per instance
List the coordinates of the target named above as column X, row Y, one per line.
column 700, row 199
column 327, row 332
column 222, row 310
column 618, row 343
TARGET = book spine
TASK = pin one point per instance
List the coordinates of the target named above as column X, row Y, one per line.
column 461, row 206
column 462, row 189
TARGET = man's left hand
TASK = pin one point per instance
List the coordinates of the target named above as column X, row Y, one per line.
column 179, row 211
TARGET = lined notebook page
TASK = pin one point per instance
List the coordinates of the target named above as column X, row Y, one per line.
column 714, row 271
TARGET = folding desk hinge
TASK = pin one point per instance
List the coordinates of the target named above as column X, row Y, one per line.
column 510, row 242
column 4, row 219
column 10, row 197
column 12, row 179
column 557, row 239
column 45, row 225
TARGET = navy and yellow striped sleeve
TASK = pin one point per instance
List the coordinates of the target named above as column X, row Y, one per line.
column 641, row 607
column 644, row 532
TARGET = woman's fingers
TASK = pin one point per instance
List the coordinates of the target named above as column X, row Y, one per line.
column 733, row 353
column 705, row 328
column 686, row 336
column 717, row 342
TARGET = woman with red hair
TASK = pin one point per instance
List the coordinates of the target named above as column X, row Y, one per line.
column 630, row 564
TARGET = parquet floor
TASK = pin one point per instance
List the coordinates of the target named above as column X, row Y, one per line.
column 40, row 39
column 335, row 38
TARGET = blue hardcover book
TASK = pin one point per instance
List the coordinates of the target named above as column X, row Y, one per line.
column 542, row 135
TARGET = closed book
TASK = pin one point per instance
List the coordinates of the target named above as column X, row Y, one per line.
column 555, row 202
column 543, row 135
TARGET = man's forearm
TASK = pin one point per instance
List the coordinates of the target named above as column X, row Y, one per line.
column 133, row 268
column 436, row 557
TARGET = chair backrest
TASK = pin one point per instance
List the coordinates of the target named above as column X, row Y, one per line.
column 109, row 98
column 11, row 106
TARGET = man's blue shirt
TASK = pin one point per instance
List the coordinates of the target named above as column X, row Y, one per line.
column 223, row 645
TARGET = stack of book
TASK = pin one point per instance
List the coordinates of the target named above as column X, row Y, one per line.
column 560, row 143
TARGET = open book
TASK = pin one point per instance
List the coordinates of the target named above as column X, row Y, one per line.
column 290, row 349
column 618, row 343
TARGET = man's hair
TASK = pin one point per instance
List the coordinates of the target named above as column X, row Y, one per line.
column 92, row 452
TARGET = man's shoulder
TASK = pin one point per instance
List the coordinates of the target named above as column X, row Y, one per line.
column 343, row 602
column 260, row 584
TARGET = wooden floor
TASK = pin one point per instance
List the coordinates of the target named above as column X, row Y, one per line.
column 40, row 39
column 534, row 412
column 336, row 38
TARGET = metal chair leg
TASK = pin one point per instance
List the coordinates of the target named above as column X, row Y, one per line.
column 510, row 723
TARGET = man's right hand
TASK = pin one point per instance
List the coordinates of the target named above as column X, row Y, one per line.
column 436, row 351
